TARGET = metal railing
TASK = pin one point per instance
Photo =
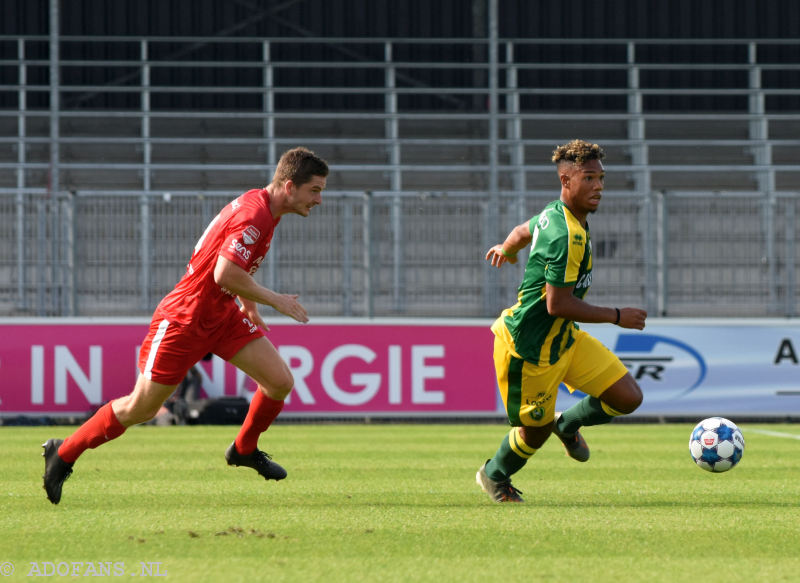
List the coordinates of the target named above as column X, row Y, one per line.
column 153, row 135
column 414, row 254
column 496, row 115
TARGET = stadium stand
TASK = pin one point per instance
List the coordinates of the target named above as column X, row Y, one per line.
column 103, row 196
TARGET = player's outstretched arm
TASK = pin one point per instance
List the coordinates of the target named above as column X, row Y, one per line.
column 561, row 302
column 238, row 282
column 518, row 238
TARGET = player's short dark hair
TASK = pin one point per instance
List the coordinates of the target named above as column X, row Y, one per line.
column 299, row 165
column 578, row 152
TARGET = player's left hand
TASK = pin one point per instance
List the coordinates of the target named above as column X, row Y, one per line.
column 632, row 318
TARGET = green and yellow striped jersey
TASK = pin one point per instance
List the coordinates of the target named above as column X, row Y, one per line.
column 561, row 255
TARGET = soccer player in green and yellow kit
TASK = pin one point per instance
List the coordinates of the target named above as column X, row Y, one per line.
column 538, row 344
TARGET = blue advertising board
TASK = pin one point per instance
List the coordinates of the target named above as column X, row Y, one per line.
column 710, row 366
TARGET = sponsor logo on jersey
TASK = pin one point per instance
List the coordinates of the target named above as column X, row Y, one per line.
column 240, row 249
column 250, row 235
column 577, row 239
column 537, row 405
column 544, row 222
column 584, row 281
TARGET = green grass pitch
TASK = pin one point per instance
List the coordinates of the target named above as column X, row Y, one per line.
column 399, row 502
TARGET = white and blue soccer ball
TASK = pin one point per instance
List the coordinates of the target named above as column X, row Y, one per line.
column 716, row 444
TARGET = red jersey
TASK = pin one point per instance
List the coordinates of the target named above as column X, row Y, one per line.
column 241, row 232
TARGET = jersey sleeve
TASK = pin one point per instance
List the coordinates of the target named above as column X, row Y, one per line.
column 561, row 255
column 241, row 238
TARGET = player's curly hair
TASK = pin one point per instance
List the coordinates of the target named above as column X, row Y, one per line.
column 299, row 165
column 578, row 152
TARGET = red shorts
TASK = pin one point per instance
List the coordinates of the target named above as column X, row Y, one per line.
column 169, row 350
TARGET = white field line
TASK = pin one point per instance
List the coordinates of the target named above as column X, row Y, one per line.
column 773, row 433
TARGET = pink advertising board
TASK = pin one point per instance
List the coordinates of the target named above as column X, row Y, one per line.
column 51, row 367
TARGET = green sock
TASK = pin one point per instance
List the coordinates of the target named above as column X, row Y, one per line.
column 587, row 411
column 510, row 457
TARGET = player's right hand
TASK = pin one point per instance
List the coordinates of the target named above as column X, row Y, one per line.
column 496, row 258
column 250, row 310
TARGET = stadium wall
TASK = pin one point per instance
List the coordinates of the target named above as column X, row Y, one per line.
column 422, row 369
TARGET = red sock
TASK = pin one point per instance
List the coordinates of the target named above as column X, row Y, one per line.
column 101, row 427
column 260, row 415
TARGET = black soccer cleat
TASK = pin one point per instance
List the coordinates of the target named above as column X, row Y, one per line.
column 575, row 444
column 259, row 460
column 497, row 491
column 56, row 470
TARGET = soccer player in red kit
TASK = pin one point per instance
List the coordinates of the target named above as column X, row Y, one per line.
column 201, row 315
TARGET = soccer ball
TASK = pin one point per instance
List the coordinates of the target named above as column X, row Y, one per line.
column 716, row 444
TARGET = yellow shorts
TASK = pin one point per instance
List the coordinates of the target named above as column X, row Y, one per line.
column 529, row 391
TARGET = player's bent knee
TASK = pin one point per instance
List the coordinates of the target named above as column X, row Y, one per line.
column 631, row 401
column 637, row 400
column 623, row 397
column 279, row 389
column 278, row 394
column 286, row 385
column 635, row 397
